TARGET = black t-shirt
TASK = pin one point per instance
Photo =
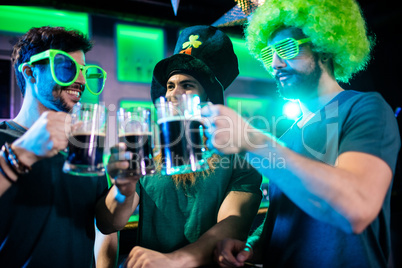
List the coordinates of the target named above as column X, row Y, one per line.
column 47, row 217
column 352, row 121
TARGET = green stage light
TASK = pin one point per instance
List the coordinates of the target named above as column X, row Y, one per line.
column 136, row 103
column 138, row 50
column 127, row 103
column 19, row 19
column 249, row 66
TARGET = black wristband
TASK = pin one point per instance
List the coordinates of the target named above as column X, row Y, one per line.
column 13, row 161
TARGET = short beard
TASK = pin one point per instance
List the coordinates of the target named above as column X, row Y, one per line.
column 305, row 86
column 59, row 102
column 54, row 98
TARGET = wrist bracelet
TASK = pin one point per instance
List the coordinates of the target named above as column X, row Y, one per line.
column 5, row 174
column 13, row 161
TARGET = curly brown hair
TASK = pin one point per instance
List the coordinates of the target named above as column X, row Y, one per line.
column 37, row 40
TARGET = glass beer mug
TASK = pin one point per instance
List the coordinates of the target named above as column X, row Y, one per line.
column 181, row 134
column 135, row 130
column 86, row 141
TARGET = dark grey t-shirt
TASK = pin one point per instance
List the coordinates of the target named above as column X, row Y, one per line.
column 47, row 217
column 352, row 121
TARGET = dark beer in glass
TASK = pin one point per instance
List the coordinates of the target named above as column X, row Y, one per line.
column 181, row 135
column 86, row 141
column 135, row 130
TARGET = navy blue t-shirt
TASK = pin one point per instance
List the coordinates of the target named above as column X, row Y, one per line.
column 352, row 121
column 47, row 216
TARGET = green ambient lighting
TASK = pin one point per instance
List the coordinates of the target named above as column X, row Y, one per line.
column 248, row 65
column 138, row 50
column 136, row 103
column 264, row 188
column 139, row 103
column 19, row 19
column 88, row 97
column 254, row 110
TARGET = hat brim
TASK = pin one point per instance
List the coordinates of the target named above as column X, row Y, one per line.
column 190, row 65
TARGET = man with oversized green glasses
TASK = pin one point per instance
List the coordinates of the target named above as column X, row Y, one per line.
column 65, row 70
column 47, row 216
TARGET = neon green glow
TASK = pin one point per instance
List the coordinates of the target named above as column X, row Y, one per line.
column 90, row 72
column 88, row 97
column 287, row 49
column 337, row 29
column 249, row 107
column 105, row 161
column 136, row 103
column 248, row 65
column 19, row 19
column 138, row 51
column 134, row 218
column 139, row 103
column 264, row 189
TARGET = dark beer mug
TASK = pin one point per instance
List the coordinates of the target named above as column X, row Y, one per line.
column 135, row 130
column 87, row 140
column 181, row 135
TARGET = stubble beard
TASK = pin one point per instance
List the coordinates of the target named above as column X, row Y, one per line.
column 302, row 85
column 52, row 94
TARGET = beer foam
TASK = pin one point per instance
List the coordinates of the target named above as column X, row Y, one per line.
column 177, row 118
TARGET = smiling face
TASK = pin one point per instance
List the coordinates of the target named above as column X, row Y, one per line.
column 179, row 84
column 296, row 78
column 54, row 96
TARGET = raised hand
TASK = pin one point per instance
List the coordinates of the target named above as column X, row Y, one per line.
column 227, row 131
column 45, row 138
column 118, row 162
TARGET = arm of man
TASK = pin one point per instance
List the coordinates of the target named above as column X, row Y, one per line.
column 106, row 256
column 235, row 217
column 232, row 252
column 45, row 138
column 114, row 210
column 348, row 195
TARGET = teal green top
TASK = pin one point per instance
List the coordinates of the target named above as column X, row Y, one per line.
column 172, row 216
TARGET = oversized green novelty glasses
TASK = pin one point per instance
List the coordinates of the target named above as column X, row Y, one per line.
column 286, row 49
column 65, row 70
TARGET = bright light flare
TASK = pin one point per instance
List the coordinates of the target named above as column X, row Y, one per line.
column 292, row 110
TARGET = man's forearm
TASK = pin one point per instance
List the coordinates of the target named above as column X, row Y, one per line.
column 201, row 251
column 341, row 195
column 114, row 211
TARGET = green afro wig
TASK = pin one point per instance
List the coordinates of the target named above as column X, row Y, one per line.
column 336, row 27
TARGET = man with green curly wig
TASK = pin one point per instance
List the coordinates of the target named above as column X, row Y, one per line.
column 330, row 196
